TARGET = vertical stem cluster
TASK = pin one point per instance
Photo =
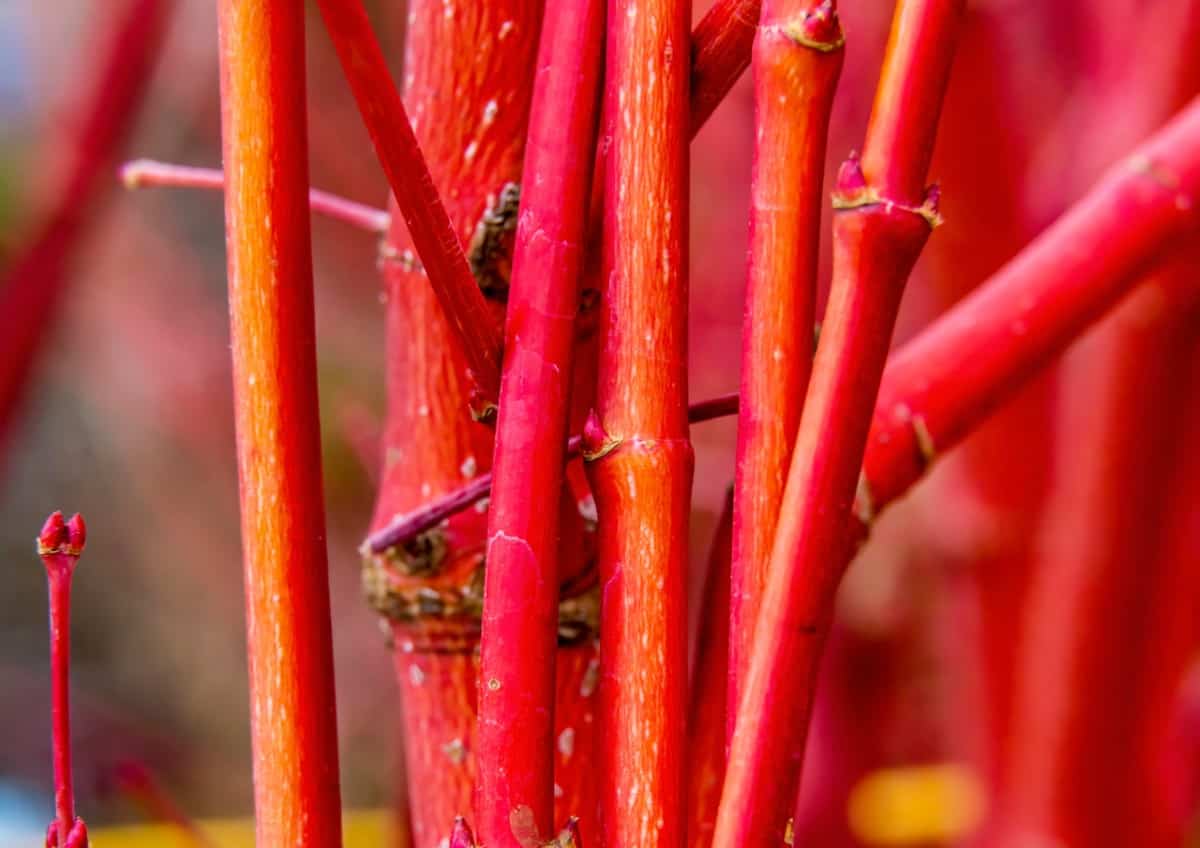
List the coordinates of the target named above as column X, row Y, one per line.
column 797, row 60
column 293, row 724
column 881, row 224
column 641, row 456
column 519, row 639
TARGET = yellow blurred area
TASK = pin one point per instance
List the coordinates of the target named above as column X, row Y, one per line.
column 916, row 805
column 362, row 829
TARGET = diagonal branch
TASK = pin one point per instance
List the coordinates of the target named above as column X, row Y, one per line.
column 416, row 196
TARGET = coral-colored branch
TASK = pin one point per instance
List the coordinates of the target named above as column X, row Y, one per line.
column 950, row 377
column 293, row 722
column 877, row 238
column 33, row 284
column 144, row 173
column 797, row 60
column 519, row 636
column 417, row 197
column 59, row 545
column 721, row 50
column 641, row 457
column 405, row 528
column 708, row 696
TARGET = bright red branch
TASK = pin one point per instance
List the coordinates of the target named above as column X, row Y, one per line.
column 515, row 739
column 721, row 49
column 945, row 381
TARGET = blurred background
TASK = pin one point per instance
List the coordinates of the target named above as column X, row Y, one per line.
column 964, row 664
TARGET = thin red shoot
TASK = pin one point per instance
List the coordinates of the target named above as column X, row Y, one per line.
column 60, row 545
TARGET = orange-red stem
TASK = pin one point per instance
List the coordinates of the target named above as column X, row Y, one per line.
column 641, row 464
column 721, row 49
column 293, row 722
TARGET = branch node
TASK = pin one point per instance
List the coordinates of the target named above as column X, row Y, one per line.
column 817, row 29
column 852, row 191
column 597, row 444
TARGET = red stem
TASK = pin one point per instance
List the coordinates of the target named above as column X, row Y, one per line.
column 417, row 197
column 943, row 383
column 404, row 528
column 60, row 669
column 142, row 173
column 797, row 60
column 293, row 721
column 877, row 237
column 59, row 545
column 33, row 283
column 519, row 638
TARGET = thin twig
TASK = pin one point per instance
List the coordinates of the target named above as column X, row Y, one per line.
column 144, row 173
